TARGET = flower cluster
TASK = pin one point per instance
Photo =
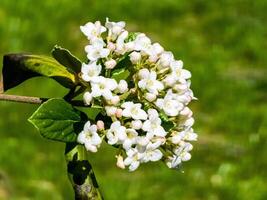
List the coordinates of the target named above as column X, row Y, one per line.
column 143, row 92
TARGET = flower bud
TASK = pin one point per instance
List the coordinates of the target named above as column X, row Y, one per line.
column 136, row 124
column 87, row 98
column 111, row 46
column 118, row 113
column 150, row 97
column 100, row 125
column 122, row 86
column 135, row 57
column 110, row 64
column 120, row 162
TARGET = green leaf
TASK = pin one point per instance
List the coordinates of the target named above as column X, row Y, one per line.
column 66, row 58
column 56, row 120
column 120, row 74
column 19, row 67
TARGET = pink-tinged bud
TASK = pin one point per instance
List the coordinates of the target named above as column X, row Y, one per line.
column 120, row 162
column 100, row 125
column 111, row 46
column 118, row 113
column 110, row 64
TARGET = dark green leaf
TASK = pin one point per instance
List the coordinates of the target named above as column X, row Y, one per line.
column 19, row 67
column 66, row 58
column 56, row 120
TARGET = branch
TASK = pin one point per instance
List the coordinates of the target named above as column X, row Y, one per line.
column 34, row 100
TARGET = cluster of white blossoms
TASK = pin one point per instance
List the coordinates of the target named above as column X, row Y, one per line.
column 143, row 92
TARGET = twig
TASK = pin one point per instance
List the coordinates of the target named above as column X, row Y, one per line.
column 34, row 100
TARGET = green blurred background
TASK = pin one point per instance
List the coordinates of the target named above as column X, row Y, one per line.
column 224, row 45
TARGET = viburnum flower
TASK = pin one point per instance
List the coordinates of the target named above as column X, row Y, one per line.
column 96, row 50
column 142, row 93
column 169, row 104
column 133, row 110
column 149, row 81
column 102, row 86
column 90, row 71
column 89, row 137
column 116, row 133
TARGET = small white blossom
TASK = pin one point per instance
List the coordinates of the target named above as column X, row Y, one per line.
column 120, row 44
column 169, row 105
column 114, row 28
column 165, row 59
column 103, row 87
column 130, row 138
column 153, row 125
column 133, row 159
column 116, row 134
column 173, row 161
column 133, row 110
column 92, row 31
column 149, row 81
column 89, row 137
column 142, row 43
column 96, row 50
column 178, row 71
column 152, row 153
column 90, row 71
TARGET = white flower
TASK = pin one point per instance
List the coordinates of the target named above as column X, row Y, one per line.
column 90, row 71
column 92, row 30
column 142, row 43
column 133, row 110
column 110, row 64
column 173, row 161
column 100, row 125
column 154, row 52
column 133, row 159
column 178, row 71
column 136, row 124
column 114, row 28
column 89, row 137
column 96, row 50
column 114, row 100
column 87, row 98
column 120, row 43
column 153, row 125
column 169, row 105
column 122, row 86
column 103, row 86
column 152, row 153
column 135, row 57
column 116, row 134
column 130, row 139
column 149, row 81
column 165, row 59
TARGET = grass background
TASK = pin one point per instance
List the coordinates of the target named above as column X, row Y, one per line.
column 222, row 42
